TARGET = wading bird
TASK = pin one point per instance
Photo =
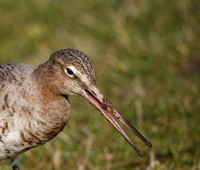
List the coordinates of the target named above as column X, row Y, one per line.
column 34, row 104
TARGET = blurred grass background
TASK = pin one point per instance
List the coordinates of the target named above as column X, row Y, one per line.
column 146, row 55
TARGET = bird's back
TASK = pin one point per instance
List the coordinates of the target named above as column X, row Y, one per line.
column 12, row 75
column 12, row 78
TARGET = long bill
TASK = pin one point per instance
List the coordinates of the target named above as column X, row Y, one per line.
column 96, row 98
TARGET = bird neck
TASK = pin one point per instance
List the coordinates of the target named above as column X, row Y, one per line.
column 45, row 79
column 53, row 104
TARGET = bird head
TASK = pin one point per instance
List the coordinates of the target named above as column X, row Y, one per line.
column 74, row 75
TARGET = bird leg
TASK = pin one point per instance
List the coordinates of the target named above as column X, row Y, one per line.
column 16, row 166
column 15, row 163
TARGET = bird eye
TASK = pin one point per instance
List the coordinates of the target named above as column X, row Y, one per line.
column 70, row 72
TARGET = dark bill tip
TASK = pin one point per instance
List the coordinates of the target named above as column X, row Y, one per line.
column 148, row 143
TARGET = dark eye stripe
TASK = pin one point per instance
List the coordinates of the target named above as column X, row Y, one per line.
column 70, row 72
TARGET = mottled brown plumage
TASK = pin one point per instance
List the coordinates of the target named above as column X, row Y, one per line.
column 34, row 105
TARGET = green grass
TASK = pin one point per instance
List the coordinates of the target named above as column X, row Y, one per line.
column 146, row 55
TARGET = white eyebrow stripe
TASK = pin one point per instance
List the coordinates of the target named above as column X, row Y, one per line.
column 81, row 76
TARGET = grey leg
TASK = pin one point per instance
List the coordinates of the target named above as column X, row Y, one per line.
column 15, row 163
column 16, row 166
